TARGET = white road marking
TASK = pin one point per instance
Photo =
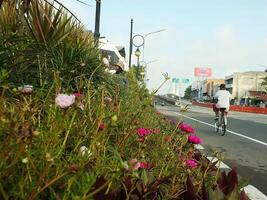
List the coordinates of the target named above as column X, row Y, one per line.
column 253, row 193
column 234, row 133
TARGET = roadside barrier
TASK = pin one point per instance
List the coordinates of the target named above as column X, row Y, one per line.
column 236, row 108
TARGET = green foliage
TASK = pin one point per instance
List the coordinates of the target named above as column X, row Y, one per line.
column 9, row 18
column 89, row 149
column 264, row 83
column 47, row 25
column 187, row 93
column 56, row 47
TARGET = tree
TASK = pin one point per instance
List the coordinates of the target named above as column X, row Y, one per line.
column 264, row 83
column 187, row 92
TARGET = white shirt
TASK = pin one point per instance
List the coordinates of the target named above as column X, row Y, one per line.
column 224, row 98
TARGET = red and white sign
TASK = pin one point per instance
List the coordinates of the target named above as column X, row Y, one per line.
column 203, row 72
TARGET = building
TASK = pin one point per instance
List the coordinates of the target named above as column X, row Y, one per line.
column 210, row 87
column 205, row 89
column 240, row 84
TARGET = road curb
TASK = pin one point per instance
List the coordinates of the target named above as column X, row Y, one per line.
column 252, row 192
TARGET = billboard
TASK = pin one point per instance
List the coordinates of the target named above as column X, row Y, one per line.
column 203, row 72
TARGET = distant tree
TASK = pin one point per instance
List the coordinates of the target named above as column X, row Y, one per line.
column 187, row 93
column 264, row 83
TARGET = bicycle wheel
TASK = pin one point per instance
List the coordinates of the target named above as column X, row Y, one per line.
column 223, row 125
column 216, row 126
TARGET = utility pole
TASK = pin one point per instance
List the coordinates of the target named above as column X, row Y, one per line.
column 131, row 44
column 97, row 21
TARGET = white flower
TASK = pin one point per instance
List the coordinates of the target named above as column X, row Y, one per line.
column 26, row 89
column 25, row 160
column 64, row 101
column 84, row 150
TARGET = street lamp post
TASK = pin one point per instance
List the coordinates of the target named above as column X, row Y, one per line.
column 139, row 41
column 137, row 54
column 150, row 33
column 131, row 44
column 97, row 21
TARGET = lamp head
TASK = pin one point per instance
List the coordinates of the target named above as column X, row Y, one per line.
column 137, row 52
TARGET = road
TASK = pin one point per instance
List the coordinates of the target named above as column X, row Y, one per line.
column 244, row 145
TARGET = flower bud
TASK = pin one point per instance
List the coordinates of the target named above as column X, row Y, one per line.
column 25, row 160
column 36, row 133
column 114, row 118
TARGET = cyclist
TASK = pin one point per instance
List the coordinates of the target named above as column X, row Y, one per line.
column 223, row 98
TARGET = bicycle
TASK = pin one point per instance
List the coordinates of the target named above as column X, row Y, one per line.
column 221, row 123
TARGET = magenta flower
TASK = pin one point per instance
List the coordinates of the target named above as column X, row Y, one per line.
column 191, row 163
column 186, row 128
column 77, row 94
column 102, row 126
column 135, row 165
column 141, row 139
column 145, row 165
column 194, row 139
column 142, row 132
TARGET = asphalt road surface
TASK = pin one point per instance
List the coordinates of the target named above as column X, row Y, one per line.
column 244, row 145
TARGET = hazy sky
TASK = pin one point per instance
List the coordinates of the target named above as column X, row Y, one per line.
column 226, row 35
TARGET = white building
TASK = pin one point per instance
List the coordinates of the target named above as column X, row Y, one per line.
column 241, row 83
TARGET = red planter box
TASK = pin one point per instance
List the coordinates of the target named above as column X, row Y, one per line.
column 236, row 108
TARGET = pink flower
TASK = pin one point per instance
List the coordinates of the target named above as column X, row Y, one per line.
column 186, row 128
column 194, row 139
column 135, row 165
column 156, row 131
column 64, row 101
column 102, row 126
column 158, row 113
column 143, row 132
column 108, row 99
column 191, row 163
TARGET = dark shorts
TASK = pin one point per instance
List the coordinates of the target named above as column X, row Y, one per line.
column 215, row 109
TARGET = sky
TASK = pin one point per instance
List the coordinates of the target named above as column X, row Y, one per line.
column 227, row 35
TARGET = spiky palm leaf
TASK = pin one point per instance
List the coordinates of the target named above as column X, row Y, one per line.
column 9, row 20
column 48, row 25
